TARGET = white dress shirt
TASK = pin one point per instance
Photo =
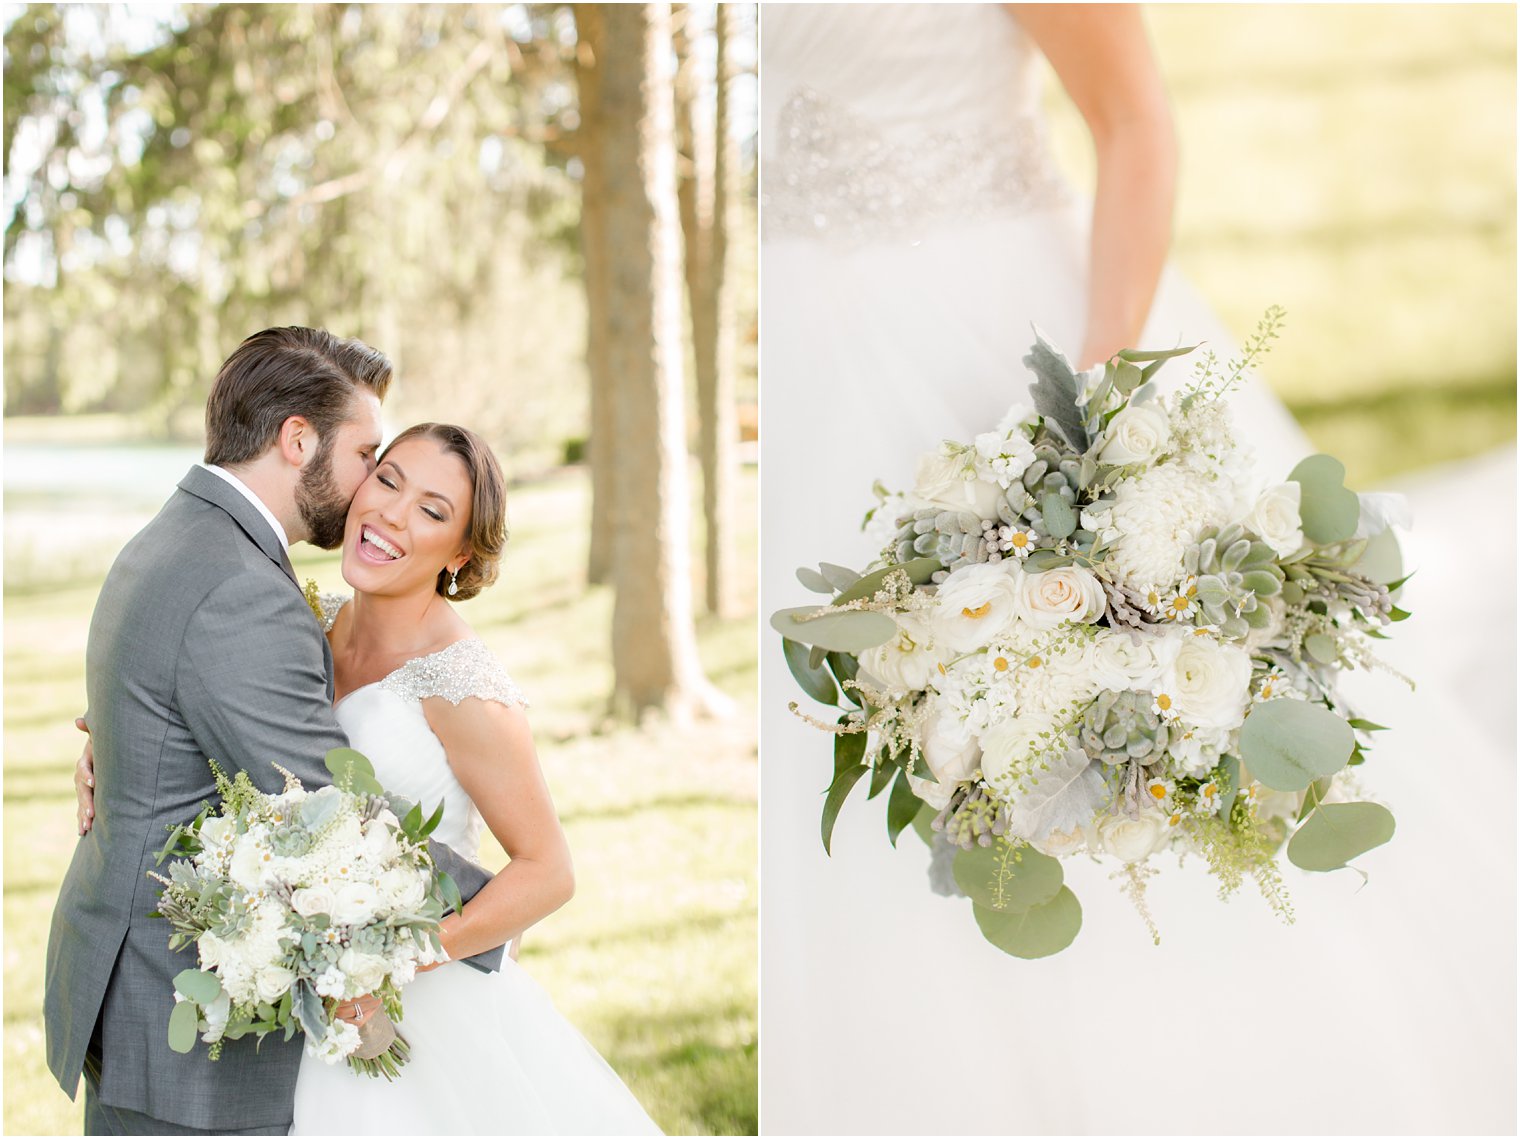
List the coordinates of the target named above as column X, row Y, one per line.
column 274, row 523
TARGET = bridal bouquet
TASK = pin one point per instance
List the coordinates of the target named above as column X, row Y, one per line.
column 1093, row 630
column 298, row 902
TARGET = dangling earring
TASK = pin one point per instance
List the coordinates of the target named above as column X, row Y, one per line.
column 454, row 584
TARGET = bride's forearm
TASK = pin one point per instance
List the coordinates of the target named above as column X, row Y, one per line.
column 1131, row 232
column 524, row 893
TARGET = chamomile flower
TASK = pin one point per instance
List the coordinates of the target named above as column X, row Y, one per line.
column 1183, row 604
column 1208, row 798
column 1159, row 791
column 1163, row 706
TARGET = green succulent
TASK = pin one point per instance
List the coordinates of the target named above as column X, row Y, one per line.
column 1232, row 574
column 1119, row 727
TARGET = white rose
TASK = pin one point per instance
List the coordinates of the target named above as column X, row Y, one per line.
column 355, row 904
column 973, row 605
column 364, row 971
column 905, row 663
column 1071, row 593
column 1137, row 434
column 312, row 900
column 272, row 982
column 404, row 889
column 1275, row 518
column 250, row 862
column 1058, row 844
column 950, row 749
column 1129, row 839
column 211, row 950
column 1122, row 661
column 949, row 482
column 379, row 842
column 1006, row 745
column 937, row 795
column 218, row 830
column 1209, row 683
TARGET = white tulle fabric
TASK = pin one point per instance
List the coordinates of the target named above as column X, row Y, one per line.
column 1388, row 1008
column 490, row 1053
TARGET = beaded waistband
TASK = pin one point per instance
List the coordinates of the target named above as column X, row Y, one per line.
column 835, row 176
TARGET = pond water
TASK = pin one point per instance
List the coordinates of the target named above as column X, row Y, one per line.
column 70, row 507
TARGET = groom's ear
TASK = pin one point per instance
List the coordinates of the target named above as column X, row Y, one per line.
column 297, row 441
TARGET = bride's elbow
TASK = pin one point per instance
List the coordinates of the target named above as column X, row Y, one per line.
column 564, row 883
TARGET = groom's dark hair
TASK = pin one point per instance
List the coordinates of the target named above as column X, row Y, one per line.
column 282, row 372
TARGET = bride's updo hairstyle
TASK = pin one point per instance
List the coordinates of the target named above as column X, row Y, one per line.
column 487, row 532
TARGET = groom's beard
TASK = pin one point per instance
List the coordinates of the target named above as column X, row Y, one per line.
column 322, row 505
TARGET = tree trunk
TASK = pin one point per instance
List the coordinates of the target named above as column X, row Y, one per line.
column 706, row 214
column 654, row 647
column 591, row 34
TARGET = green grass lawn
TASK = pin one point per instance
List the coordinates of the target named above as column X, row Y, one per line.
column 654, row 960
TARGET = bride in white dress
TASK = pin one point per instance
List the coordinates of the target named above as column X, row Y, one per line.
column 439, row 718
column 914, row 227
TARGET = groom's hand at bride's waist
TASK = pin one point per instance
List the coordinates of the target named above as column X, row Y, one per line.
column 84, row 780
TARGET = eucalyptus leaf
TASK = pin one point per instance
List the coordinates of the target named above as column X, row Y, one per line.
column 838, row 792
column 1328, row 510
column 346, row 765
column 1229, row 784
column 814, row 580
column 1314, row 795
column 902, row 806
column 839, row 577
column 183, row 1021
column 1039, row 561
column 1006, row 877
column 1036, row 932
column 198, row 985
column 1382, row 561
column 850, row 631
column 317, row 810
column 1127, row 377
column 919, row 571
column 1288, row 744
column 1320, row 647
column 1060, row 518
column 816, row 682
column 1338, row 832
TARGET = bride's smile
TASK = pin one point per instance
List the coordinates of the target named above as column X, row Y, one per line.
column 408, row 520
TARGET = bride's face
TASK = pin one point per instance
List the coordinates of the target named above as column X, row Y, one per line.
column 408, row 520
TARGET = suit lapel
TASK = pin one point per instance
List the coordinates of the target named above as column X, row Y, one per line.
column 207, row 486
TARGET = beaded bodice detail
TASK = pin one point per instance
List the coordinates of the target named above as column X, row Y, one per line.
column 457, row 671
column 883, row 122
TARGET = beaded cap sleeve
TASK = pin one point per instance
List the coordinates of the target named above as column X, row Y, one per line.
column 330, row 603
column 465, row 668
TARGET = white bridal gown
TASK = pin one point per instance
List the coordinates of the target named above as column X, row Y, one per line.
column 914, row 227
column 490, row 1054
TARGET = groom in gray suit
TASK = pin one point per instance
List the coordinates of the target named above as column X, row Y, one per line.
column 202, row 645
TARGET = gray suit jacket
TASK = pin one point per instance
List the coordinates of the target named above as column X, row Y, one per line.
column 201, row 645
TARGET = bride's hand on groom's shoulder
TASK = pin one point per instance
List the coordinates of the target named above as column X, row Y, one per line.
column 84, row 781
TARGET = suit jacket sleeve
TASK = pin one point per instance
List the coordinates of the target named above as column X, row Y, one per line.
column 252, row 685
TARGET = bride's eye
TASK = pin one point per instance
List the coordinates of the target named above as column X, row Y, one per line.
column 433, row 514
column 386, row 482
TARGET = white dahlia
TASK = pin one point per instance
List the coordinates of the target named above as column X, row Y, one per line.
column 1155, row 517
